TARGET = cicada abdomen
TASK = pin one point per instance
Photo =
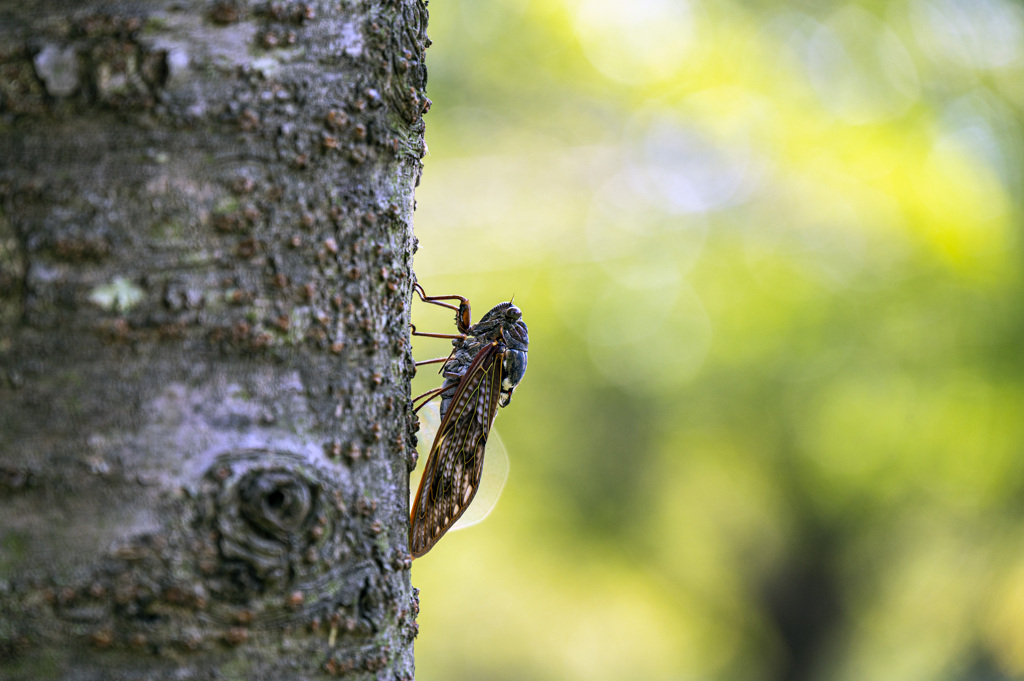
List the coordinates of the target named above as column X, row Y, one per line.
column 492, row 479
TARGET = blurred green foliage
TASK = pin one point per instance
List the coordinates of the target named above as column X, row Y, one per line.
column 769, row 253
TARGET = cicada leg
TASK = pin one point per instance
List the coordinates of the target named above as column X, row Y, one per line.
column 463, row 316
column 436, row 360
column 460, row 336
column 463, row 320
column 430, row 394
column 452, row 336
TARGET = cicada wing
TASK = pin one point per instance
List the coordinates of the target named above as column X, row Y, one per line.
column 492, row 479
column 454, row 465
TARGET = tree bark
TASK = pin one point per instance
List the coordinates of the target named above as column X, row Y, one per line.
column 205, row 252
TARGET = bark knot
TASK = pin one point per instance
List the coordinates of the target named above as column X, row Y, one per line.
column 279, row 524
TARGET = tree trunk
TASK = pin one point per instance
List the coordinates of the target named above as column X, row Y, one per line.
column 205, row 250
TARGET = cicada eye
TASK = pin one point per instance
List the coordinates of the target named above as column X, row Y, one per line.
column 513, row 313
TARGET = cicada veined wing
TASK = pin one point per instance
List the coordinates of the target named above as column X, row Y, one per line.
column 487, row 362
column 492, row 478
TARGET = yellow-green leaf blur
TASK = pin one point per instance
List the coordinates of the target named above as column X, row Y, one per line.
column 770, row 258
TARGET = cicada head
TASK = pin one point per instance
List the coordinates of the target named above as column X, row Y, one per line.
column 502, row 313
column 503, row 322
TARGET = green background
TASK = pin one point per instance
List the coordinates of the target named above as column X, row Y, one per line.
column 769, row 255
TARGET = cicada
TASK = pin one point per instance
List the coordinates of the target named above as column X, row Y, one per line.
column 487, row 362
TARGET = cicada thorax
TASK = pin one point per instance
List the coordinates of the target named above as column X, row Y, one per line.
column 454, row 370
column 503, row 326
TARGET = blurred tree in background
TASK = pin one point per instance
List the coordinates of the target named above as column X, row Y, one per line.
column 769, row 254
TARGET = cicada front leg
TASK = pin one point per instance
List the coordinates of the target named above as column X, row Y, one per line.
column 463, row 319
column 463, row 314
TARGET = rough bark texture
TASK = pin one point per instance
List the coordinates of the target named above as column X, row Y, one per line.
column 205, row 248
